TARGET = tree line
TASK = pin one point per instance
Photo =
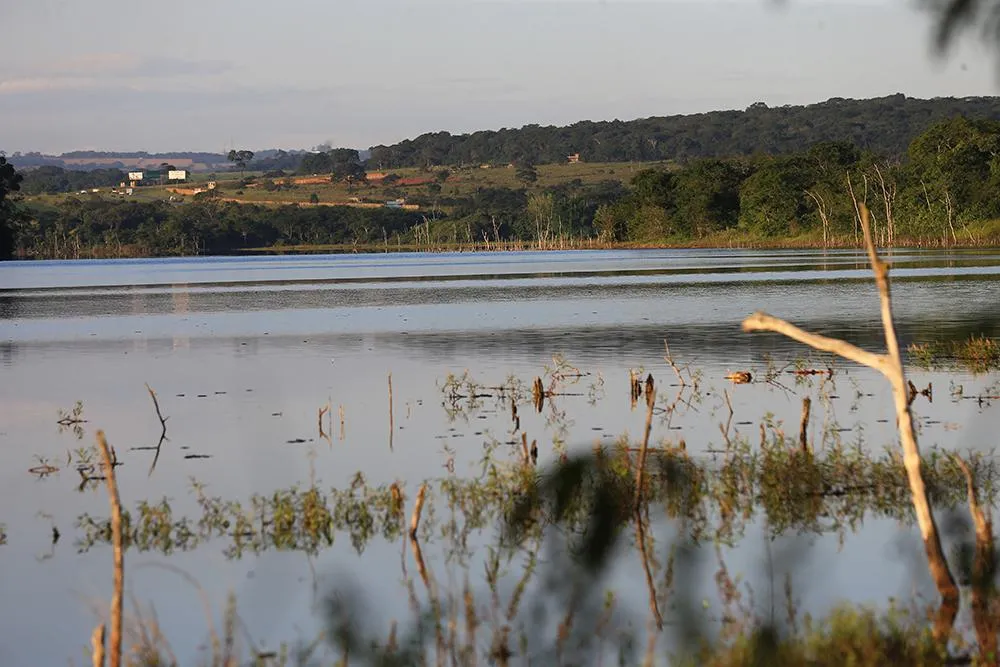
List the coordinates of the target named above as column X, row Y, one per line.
column 884, row 125
column 945, row 182
column 943, row 185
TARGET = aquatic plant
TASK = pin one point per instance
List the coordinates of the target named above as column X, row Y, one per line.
column 978, row 354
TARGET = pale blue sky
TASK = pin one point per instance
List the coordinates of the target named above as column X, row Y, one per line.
column 202, row 74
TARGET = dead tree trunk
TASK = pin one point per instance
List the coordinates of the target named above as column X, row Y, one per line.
column 889, row 365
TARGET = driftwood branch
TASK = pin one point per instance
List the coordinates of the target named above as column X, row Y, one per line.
column 889, row 365
column 119, row 553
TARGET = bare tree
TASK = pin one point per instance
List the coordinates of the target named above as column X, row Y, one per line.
column 889, row 365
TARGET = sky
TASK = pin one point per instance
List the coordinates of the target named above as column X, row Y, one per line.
column 218, row 74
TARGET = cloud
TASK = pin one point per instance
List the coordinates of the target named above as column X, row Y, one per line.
column 95, row 70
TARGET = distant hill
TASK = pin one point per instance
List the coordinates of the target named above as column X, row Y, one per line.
column 268, row 159
column 885, row 125
column 91, row 160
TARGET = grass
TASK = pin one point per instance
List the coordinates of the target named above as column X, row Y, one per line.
column 861, row 637
column 978, row 353
column 461, row 183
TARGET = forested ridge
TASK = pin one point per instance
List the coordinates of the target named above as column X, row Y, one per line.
column 883, row 125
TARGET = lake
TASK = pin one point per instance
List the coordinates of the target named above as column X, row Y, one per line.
column 244, row 353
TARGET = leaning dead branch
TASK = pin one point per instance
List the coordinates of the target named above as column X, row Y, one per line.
column 119, row 558
column 891, row 367
column 163, row 428
column 669, row 358
column 159, row 415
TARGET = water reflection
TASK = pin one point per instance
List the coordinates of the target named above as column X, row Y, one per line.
column 244, row 352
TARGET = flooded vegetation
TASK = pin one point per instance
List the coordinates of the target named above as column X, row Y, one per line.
column 423, row 475
column 979, row 353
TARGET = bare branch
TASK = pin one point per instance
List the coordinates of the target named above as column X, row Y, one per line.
column 763, row 322
column 163, row 428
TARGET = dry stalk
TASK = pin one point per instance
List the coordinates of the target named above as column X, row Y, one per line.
column 119, row 554
column 471, row 622
column 418, row 507
column 804, row 426
column 891, row 367
column 670, row 360
column 341, row 422
column 418, row 556
column 325, row 410
column 642, row 456
column 392, row 426
column 205, row 603
column 97, row 644
column 640, row 532
column 729, row 420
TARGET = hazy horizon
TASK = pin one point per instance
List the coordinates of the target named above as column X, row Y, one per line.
column 256, row 75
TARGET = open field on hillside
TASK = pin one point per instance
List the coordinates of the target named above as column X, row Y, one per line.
column 414, row 182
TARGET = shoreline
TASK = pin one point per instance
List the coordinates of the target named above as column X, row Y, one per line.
column 708, row 243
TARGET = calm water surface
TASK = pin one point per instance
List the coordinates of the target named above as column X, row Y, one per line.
column 244, row 351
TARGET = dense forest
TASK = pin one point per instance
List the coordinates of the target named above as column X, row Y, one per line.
column 884, row 125
column 942, row 190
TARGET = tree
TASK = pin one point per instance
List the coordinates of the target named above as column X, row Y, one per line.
column 240, row 159
column 708, row 195
column 773, row 199
column 526, row 173
column 611, row 222
column 345, row 165
column 10, row 181
column 655, row 187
